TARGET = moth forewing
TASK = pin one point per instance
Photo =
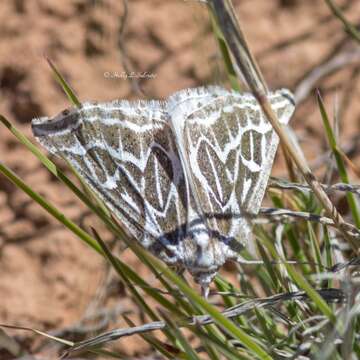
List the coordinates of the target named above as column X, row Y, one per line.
column 283, row 104
column 126, row 153
column 228, row 147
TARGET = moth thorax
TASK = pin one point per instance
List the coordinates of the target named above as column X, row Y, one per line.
column 204, row 254
column 201, row 239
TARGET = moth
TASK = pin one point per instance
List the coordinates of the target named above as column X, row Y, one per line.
column 182, row 175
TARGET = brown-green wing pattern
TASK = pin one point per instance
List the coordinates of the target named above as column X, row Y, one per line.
column 228, row 147
column 126, row 153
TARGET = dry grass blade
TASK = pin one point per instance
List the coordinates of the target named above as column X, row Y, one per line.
column 286, row 185
column 337, row 62
column 351, row 29
column 350, row 163
column 329, row 295
column 9, row 344
column 281, row 215
column 236, row 41
column 62, row 341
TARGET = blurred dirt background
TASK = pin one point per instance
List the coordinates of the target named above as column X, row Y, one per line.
column 148, row 49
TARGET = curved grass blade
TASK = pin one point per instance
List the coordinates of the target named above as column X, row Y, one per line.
column 52, row 210
column 53, row 169
column 339, row 160
column 219, row 318
column 65, row 86
column 181, row 340
column 126, row 274
column 230, row 71
column 169, row 351
column 351, row 29
column 319, row 302
column 84, row 236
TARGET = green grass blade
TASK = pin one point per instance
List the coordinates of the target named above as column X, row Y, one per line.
column 52, row 210
column 122, row 268
column 319, row 302
column 53, row 169
column 187, row 348
column 219, row 318
column 115, row 263
column 339, row 160
column 84, row 236
column 65, row 86
column 177, row 296
column 223, row 346
column 224, row 286
column 230, row 71
column 315, row 248
column 263, row 322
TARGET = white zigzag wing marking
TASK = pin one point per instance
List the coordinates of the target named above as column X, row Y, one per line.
column 127, row 154
column 228, row 148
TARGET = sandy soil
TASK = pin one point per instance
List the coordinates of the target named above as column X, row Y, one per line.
column 49, row 279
